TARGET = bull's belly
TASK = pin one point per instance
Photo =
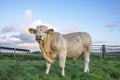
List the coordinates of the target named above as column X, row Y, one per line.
column 74, row 50
column 74, row 54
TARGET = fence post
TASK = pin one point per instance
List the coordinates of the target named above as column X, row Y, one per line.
column 27, row 52
column 0, row 50
column 14, row 53
column 103, row 51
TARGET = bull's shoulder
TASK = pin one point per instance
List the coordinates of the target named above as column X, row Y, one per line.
column 56, row 36
column 58, row 42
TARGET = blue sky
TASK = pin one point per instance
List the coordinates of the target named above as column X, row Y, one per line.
column 100, row 18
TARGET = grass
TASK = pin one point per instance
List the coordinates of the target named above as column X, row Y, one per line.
column 32, row 67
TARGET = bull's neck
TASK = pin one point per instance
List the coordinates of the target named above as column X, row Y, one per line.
column 45, row 48
column 46, row 44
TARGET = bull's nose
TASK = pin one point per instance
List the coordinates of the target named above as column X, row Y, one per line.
column 38, row 37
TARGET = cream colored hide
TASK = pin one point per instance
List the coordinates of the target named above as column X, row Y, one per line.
column 55, row 45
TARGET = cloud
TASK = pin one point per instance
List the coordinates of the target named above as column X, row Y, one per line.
column 23, row 40
column 8, row 41
column 111, row 25
column 11, row 39
column 28, row 15
column 11, row 28
column 24, row 36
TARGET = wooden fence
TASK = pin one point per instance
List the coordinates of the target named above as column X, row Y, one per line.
column 103, row 51
column 13, row 49
column 106, row 51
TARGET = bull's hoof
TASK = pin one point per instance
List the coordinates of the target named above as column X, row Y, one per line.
column 86, row 71
column 46, row 73
column 63, row 75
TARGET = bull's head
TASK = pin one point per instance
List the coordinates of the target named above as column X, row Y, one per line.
column 40, row 32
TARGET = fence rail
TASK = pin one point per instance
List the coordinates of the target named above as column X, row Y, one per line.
column 107, row 51
column 14, row 49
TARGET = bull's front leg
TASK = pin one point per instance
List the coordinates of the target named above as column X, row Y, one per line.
column 46, row 56
column 62, row 59
column 47, row 67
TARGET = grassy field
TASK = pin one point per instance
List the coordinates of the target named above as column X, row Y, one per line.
column 32, row 67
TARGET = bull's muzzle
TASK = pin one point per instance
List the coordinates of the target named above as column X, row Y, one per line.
column 38, row 38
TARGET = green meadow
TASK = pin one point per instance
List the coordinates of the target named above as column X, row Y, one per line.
column 32, row 67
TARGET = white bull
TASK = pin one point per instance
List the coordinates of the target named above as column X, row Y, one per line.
column 55, row 45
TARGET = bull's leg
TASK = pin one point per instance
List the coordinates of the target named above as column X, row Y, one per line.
column 62, row 59
column 47, row 67
column 86, row 62
column 46, row 56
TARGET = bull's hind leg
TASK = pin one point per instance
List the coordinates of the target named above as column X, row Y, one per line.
column 86, row 62
column 86, row 59
column 62, row 59
column 47, row 67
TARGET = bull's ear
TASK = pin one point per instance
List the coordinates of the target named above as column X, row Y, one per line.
column 50, row 31
column 31, row 30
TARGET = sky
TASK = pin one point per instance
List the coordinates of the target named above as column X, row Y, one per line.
column 100, row 18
